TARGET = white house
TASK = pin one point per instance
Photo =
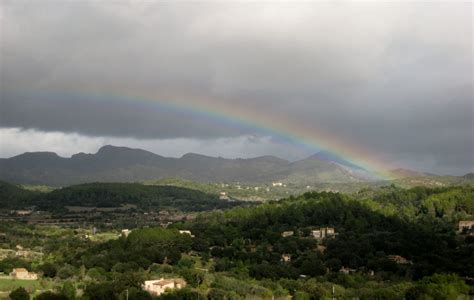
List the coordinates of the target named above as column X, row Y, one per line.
column 159, row 286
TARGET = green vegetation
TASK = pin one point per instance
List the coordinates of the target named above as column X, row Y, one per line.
column 13, row 196
column 447, row 203
column 366, row 237
column 114, row 195
column 390, row 243
column 19, row 294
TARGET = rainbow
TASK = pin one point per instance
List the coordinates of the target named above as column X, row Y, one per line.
column 224, row 112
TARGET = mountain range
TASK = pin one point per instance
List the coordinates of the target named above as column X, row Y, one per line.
column 122, row 164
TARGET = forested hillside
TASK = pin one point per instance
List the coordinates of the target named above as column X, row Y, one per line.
column 367, row 234
column 12, row 195
column 395, row 244
column 114, row 195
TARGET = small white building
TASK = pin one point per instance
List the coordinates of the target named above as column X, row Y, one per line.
column 316, row 233
column 223, row 196
column 287, row 233
column 159, row 286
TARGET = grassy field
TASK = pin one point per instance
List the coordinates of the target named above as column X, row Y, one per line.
column 104, row 236
column 7, row 284
column 33, row 287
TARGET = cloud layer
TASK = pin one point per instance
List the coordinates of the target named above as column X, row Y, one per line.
column 394, row 77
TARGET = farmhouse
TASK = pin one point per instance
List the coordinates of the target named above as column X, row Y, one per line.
column 23, row 274
column 159, row 286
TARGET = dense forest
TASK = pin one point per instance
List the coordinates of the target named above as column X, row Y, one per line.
column 145, row 197
column 366, row 236
column 12, row 196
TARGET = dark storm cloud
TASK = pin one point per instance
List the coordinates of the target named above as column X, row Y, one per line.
column 395, row 77
column 104, row 116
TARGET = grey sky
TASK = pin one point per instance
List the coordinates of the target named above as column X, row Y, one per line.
column 395, row 77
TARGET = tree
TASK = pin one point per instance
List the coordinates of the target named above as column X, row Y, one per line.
column 66, row 272
column 50, row 296
column 217, row 294
column 439, row 286
column 135, row 294
column 100, row 291
column 48, row 269
column 69, row 290
column 19, row 294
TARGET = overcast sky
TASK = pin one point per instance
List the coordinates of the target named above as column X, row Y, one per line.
column 395, row 77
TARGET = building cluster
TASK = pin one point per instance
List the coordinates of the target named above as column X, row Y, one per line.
column 319, row 234
column 159, row 286
column 324, row 232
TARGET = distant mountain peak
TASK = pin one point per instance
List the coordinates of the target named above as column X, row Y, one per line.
column 111, row 148
column 119, row 150
column 192, row 155
column 37, row 155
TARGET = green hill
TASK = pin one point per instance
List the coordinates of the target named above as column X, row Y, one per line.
column 142, row 196
column 367, row 234
column 13, row 196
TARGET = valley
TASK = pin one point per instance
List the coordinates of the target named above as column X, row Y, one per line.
column 105, row 240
